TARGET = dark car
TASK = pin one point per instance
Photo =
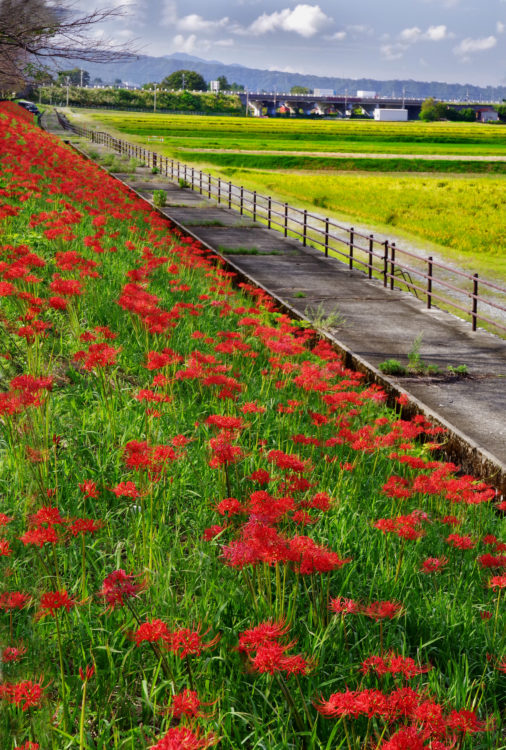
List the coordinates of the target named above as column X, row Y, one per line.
column 30, row 106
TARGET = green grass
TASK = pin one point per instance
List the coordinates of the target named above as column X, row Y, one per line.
column 281, row 162
column 306, row 135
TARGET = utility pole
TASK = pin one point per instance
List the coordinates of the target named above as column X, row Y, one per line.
column 67, row 80
column 247, row 102
column 81, row 77
column 345, row 102
column 154, row 100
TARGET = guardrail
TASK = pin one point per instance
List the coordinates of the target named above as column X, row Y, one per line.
column 382, row 259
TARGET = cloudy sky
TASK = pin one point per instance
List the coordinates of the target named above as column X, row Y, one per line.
column 446, row 40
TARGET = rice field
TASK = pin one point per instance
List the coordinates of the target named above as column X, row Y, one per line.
column 460, row 216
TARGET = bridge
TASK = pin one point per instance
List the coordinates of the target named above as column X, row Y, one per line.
column 311, row 104
column 261, row 103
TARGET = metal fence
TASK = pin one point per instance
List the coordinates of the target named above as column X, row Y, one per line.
column 428, row 279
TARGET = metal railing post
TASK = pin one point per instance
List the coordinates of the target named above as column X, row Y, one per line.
column 371, row 250
column 475, row 301
column 304, row 229
column 209, row 178
column 352, row 242
column 392, row 266
column 230, row 194
column 385, row 263
column 200, row 182
column 286, row 219
column 254, row 205
column 327, row 237
column 219, row 189
column 242, row 201
column 193, row 178
column 172, row 169
column 429, row 282
column 269, row 211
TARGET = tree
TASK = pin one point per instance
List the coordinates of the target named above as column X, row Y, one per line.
column 432, row 110
column 224, row 84
column 299, row 90
column 184, row 79
column 76, row 76
column 501, row 111
column 236, row 87
column 34, row 33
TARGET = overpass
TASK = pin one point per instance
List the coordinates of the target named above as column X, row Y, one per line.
column 309, row 104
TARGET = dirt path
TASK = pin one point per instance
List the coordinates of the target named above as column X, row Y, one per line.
column 346, row 154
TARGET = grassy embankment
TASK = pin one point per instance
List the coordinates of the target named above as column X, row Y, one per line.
column 461, row 217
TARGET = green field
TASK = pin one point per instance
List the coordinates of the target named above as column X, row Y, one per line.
column 456, row 207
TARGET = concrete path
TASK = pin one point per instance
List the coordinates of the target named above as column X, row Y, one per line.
column 368, row 322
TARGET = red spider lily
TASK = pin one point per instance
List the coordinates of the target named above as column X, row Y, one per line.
column 13, row 653
column 309, row 557
column 461, row 542
column 342, row 606
column 466, row 722
column 126, row 489
column 267, row 654
column 25, row 695
column 211, row 532
column 224, row 453
column 434, row 564
column 118, row 587
column 86, row 674
column 28, row 745
column 394, row 664
column 47, row 515
column 11, row 600
column 492, row 561
column 188, row 642
column 405, row 739
column 223, row 422
column 84, row 526
column 154, row 631
column 4, row 519
column 383, row 610
column 186, row 703
column 98, row 355
column 498, row 582
column 89, row 488
column 250, row 640
column 52, row 601
column 182, row 738
column 288, row 462
column 5, row 548
column 40, row 536
column 261, row 476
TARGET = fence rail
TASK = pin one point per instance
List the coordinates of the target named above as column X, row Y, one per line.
column 426, row 278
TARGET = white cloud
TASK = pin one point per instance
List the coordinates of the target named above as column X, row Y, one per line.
column 469, row 45
column 436, row 33
column 433, row 34
column 339, row 36
column 305, row 20
column 500, row 27
column 185, row 44
column 393, row 51
column 360, row 28
column 195, row 23
column 411, row 35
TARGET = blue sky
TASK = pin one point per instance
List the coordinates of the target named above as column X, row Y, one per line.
column 450, row 40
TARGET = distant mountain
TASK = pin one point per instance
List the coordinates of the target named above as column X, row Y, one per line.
column 153, row 69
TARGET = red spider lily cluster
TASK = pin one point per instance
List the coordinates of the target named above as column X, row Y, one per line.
column 179, row 460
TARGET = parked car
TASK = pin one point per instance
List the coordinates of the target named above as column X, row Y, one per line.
column 30, row 106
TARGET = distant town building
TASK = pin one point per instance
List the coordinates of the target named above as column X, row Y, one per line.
column 391, row 115
column 367, row 94
column 214, row 86
column 486, row 114
column 324, row 92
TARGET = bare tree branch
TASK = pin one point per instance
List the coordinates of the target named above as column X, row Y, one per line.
column 35, row 32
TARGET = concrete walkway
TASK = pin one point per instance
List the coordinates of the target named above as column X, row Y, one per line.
column 368, row 323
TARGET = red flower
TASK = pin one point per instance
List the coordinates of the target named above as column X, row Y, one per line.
column 152, row 632
column 383, row 610
column 186, row 703
column 25, row 695
column 182, row 738
column 89, row 488
column 460, row 542
column 52, row 601
column 119, row 586
column 434, row 564
column 497, row 582
column 11, row 653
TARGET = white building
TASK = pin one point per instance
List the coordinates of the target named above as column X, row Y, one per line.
column 391, row 115
column 324, row 92
column 367, row 94
column 214, row 86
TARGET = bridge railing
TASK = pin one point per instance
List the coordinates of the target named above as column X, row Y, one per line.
column 475, row 299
